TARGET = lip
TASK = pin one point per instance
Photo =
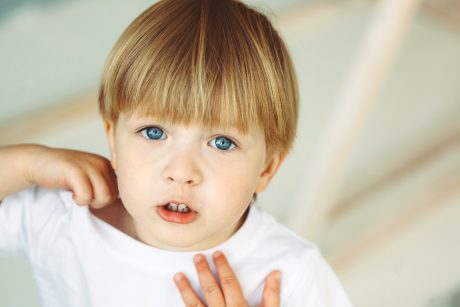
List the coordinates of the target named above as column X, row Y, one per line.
column 176, row 217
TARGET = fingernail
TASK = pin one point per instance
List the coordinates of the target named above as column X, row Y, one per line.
column 197, row 258
column 278, row 276
column 218, row 254
column 178, row 276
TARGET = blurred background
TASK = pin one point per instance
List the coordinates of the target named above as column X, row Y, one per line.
column 374, row 177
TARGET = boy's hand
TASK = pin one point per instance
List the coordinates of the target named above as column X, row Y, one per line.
column 89, row 176
column 231, row 293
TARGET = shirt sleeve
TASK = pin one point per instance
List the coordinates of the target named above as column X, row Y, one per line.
column 27, row 220
column 316, row 284
column 12, row 215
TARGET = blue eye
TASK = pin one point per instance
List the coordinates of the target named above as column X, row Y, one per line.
column 222, row 143
column 153, row 133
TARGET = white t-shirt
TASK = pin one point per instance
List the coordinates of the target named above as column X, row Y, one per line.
column 80, row 260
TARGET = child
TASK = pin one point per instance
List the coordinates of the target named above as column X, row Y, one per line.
column 200, row 105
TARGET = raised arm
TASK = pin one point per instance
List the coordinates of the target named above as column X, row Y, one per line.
column 88, row 175
column 15, row 162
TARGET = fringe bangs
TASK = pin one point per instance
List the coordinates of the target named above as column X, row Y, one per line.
column 210, row 62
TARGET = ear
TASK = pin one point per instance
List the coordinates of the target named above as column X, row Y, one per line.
column 270, row 170
column 109, row 127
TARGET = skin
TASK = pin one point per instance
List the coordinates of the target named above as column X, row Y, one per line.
column 89, row 176
column 188, row 167
column 230, row 294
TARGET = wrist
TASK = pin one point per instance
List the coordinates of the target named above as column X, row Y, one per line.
column 31, row 154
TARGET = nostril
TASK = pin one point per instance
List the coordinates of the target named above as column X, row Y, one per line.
column 188, row 178
column 189, row 181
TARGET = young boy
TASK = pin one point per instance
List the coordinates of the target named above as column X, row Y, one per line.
column 200, row 105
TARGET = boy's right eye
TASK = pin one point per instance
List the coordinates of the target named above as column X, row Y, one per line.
column 153, row 133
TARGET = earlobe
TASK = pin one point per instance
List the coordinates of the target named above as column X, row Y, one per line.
column 110, row 134
column 269, row 171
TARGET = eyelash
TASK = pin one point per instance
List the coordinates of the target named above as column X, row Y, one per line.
column 232, row 143
column 144, row 132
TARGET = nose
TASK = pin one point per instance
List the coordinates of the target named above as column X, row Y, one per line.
column 182, row 168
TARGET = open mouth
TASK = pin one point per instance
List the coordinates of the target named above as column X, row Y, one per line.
column 176, row 213
column 173, row 207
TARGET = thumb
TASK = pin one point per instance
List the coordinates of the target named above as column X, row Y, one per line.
column 271, row 292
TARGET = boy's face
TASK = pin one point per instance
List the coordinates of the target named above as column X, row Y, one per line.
column 214, row 172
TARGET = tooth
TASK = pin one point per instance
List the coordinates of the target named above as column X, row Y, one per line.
column 182, row 208
column 171, row 207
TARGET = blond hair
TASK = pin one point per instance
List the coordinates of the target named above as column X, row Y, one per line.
column 217, row 62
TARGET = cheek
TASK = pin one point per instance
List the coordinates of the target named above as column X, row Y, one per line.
column 131, row 176
column 237, row 186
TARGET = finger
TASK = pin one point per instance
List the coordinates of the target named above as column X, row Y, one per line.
column 228, row 280
column 208, row 283
column 188, row 295
column 271, row 292
column 111, row 178
column 109, row 174
column 102, row 194
column 80, row 184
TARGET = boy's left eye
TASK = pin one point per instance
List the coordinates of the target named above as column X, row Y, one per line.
column 222, row 143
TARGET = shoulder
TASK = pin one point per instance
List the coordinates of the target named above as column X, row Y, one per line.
column 43, row 201
column 315, row 284
column 307, row 277
column 38, row 200
column 276, row 236
column 49, row 207
column 282, row 248
column 32, row 217
column 37, row 208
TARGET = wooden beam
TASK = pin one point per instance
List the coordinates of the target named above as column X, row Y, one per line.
column 387, row 229
column 319, row 188
column 36, row 121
